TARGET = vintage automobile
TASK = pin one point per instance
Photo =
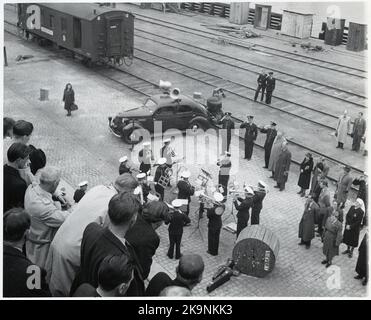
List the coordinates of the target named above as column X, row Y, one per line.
column 180, row 112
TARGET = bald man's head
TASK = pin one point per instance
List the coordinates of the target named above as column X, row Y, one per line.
column 175, row 291
column 190, row 269
column 50, row 178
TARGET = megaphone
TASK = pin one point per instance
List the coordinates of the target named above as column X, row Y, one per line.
column 174, row 94
column 165, row 85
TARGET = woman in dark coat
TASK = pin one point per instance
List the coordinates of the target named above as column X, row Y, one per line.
column 353, row 222
column 332, row 238
column 68, row 98
column 214, row 227
column 306, row 226
column 306, row 168
column 362, row 261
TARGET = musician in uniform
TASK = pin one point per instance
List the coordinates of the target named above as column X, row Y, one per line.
column 243, row 214
column 227, row 126
column 185, row 189
column 225, row 165
column 257, row 199
column 167, row 153
column 160, row 172
column 271, row 135
column 124, row 168
column 145, row 156
column 80, row 192
column 251, row 134
column 176, row 223
column 214, row 227
column 142, row 181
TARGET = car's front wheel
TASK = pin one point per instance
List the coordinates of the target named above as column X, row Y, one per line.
column 132, row 136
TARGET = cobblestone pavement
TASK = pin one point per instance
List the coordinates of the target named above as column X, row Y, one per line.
column 83, row 148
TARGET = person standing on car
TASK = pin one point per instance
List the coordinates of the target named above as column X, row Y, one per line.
column 68, row 98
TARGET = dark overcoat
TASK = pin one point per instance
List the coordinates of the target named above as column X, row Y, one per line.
column 283, row 165
column 306, row 225
column 306, row 168
column 68, row 98
column 353, row 219
column 332, row 237
column 362, row 261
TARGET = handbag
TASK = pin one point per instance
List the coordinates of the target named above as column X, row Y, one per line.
column 74, row 107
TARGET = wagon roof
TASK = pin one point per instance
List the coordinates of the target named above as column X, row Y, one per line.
column 80, row 10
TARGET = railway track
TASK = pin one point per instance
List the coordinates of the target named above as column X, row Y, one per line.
column 290, row 79
column 145, row 88
column 357, row 72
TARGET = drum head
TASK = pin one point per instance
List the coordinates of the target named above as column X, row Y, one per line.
column 218, row 197
column 219, row 210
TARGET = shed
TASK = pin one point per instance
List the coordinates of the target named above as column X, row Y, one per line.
column 262, row 16
column 334, row 31
column 357, row 37
column 239, row 12
column 297, row 24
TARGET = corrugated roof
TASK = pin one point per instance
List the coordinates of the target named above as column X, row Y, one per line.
column 79, row 10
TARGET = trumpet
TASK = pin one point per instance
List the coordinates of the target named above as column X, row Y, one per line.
column 210, row 201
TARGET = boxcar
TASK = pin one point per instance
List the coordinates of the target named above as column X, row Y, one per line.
column 98, row 34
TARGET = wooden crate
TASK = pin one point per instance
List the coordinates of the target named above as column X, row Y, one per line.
column 357, row 37
column 334, row 31
column 295, row 24
column 239, row 12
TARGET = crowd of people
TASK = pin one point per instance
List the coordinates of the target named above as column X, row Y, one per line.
column 104, row 243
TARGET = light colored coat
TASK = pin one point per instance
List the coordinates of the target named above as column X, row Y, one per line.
column 275, row 151
column 343, row 128
column 46, row 217
column 343, row 186
column 64, row 254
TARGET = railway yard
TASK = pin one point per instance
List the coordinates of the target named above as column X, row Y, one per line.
column 312, row 91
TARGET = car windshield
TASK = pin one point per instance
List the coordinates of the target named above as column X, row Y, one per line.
column 150, row 104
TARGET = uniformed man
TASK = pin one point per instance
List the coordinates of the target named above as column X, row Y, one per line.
column 214, row 227
column 160, row 172
column 46, row 215
column 261, row 85
column 251, row 133
column 227, row 126
column 270, row 85
column 257, row 199
column 185, row 189
column 124, row 168
column 145, row 156
column 145, row 188
column 167, row 153
column 176, row 223
column 79, row 193
column 225, row 165
column 243, row 214
column 271, row 135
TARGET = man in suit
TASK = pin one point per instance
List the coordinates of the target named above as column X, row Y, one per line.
column 359, row 129
column 261, row 85
column 18, row 271
column 270, row 84
column 14, row 186
column 115, row 275
column 281, row 171
column 185, row 189
column 271, row 133
column 143, row 237
column 251, row 133
column 243, row 214
column 343, row 186
column 227, row 126
column 188, row 275
column 99, row 242
column 177, row 221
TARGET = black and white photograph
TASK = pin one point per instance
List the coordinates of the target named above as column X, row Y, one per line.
column 185, row 150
